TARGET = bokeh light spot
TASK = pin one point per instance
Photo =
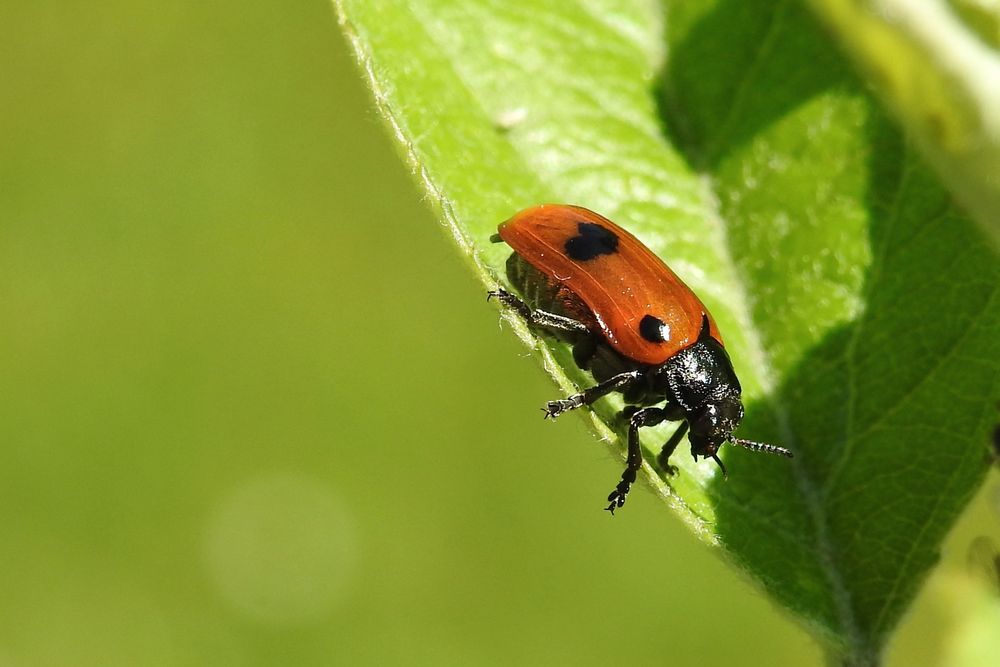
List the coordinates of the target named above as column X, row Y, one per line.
column 281, row 549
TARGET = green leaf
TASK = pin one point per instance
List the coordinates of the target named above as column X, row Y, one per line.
column 942, row 78
column 859, row 306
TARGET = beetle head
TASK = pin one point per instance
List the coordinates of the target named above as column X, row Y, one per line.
column 714, row 423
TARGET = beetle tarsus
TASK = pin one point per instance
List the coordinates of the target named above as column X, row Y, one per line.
column 553, row 409
column 498, row 293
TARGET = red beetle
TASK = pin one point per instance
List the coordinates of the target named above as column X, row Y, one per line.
column 634, row 325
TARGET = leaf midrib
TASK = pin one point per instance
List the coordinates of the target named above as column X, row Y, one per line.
column 754, row 68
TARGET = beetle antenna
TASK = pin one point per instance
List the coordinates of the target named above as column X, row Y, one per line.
column 725, row 475
column 761, row 447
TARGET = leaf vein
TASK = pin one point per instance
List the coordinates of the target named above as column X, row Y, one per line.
column 847, row 447
column 754, row 67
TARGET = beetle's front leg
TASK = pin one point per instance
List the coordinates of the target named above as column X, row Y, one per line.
column 641, row 418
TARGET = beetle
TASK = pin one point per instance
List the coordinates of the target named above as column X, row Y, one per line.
column 633, row 324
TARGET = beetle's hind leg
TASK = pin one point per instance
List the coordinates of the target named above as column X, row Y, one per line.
column 536, row 317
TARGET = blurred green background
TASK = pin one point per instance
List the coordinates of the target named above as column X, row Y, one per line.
column 255, row 411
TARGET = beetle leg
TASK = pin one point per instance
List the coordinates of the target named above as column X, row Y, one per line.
column 539, row 318
column 641, row 418
column 628, row 411
column 668, row 449
column 586, row 397
column 584, row 351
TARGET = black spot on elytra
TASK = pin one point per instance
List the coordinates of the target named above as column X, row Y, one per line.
column 592, row 241
column 651, row 328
